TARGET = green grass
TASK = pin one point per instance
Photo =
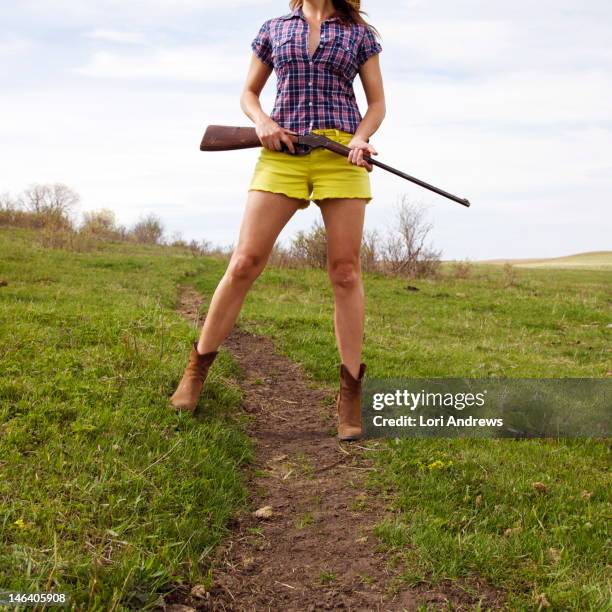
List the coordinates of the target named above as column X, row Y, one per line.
column 106, row 493
column 327, row 578
column 480, row 514
column 468, row 507
column 305, row 520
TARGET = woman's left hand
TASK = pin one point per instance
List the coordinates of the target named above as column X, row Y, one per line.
column 359, row 147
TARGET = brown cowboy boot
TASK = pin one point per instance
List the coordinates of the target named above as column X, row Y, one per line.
column 348, row 404
column 188, row 391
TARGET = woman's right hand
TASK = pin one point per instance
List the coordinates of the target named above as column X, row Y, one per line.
column 273, row 135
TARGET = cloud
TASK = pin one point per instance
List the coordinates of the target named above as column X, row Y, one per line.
column 121, row 14
column 117, row 36
column 447, row 44
column 200, row 64
column 529, row 98
column 13, row 45
column 509, row 42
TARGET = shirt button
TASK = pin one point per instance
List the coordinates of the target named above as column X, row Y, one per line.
column 310, row 104
column 309, row 83
column 310, row 63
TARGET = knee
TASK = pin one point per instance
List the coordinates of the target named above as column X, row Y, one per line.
column 244, row 268
column 345, row 274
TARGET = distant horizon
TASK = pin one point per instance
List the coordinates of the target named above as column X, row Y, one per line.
column 552, row 258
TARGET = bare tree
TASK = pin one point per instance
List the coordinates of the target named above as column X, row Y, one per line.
column 62, row 199
column 33, row 198
column 405, row 251
column 49, row 205
column 54, row 199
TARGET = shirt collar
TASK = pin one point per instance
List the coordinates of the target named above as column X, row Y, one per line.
column 297, row 12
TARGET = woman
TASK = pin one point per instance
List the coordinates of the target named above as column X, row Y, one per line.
column 316, row 52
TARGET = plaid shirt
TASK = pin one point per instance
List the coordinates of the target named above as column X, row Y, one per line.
column 315, row 92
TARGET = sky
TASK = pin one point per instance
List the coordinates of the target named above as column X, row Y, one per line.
column 508, row 104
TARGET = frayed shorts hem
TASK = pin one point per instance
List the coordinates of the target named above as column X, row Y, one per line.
column 316, row 199
column 306, row 201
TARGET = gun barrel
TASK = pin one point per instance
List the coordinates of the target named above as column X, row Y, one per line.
column 417, row 181
column 341, row 149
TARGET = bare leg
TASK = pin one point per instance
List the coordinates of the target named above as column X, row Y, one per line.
column 343, row 220
column 264, row 217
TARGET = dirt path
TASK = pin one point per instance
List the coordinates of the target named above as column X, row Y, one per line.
column 317, row 550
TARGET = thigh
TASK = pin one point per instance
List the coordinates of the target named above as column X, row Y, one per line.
column 265, row 215
column 343, row 219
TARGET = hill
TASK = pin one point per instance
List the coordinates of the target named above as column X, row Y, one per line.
column 594, row 260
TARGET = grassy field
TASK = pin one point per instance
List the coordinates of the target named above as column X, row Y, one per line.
column 105, row 492
column 469, row 507
column 109, row 496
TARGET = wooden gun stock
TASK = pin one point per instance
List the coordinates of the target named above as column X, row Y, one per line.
column 229, row 138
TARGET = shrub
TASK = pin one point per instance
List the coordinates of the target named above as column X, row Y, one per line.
column 280, row 257
column 370, row 255
column 461, row 269
column 102, row 224
column 310, row 248
column 149, row 230
column 510, row 276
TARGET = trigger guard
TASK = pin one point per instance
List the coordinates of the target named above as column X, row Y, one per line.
column 300, row 149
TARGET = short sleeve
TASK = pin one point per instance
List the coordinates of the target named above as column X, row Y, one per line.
column 369, row 46
column 262, row 46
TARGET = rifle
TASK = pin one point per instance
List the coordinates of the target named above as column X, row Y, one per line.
column 230, row 138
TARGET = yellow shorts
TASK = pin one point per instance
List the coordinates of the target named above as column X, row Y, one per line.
column 319, row 174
